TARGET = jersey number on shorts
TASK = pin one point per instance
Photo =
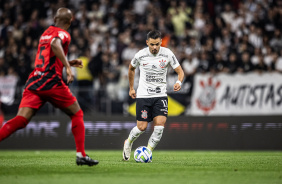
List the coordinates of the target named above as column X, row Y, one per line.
column 165, row 103
column 41, row 57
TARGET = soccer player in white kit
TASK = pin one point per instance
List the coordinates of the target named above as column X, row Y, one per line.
column 151, row 97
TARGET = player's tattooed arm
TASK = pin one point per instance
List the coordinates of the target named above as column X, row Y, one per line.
column 177, row 85
column 56, row 45
column 131, row 73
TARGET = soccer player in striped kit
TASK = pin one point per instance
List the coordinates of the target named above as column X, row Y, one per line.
column 45, row 84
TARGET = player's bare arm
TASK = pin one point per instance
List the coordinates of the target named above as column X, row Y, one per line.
column 177, row 85
column 131, row 73
column 57, row 49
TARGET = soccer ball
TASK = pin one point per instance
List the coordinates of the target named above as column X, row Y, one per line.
column 142, row 155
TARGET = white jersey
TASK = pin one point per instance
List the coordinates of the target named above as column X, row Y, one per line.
column 153, row 71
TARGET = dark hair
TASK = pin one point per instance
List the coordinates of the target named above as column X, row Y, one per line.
column 154, row 34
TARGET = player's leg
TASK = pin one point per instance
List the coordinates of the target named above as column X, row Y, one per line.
column 76, row 114
column 160, row 111
column 20, row 121
column 137, row 131
column 78, row 130
column 63, row 98
column 133, row 135
column 159, row 122
column 30, row 102
column 1, row 117
column 143, row 116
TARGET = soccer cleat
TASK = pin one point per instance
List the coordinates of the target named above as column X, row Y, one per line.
column 86, row 161
column 126, row 150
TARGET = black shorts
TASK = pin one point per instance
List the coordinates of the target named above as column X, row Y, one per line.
column 148, row 108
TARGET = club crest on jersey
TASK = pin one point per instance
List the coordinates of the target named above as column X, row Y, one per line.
column 144, row 114
column 162, row 63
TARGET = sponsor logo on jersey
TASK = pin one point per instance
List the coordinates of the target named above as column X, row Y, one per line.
column 38, row 73
column 47, row 37
column 162, row 63
column 153, row 79
column 163, row 55
column 158, row 90
column 134, row 61
column 144, row 64
column 144, row 114
column 153, row 66
column 154, row 73
column 153, row 91
column 141, row 57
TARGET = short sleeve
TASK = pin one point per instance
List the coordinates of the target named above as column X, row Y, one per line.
column 173, row 61
column 64, row 36
column 135, row 62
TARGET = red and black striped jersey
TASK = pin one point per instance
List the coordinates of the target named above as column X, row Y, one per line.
column 48, row 68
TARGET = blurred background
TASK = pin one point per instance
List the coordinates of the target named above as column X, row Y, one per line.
column 230, row 51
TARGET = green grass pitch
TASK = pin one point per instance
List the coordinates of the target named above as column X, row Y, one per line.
column 173, row 167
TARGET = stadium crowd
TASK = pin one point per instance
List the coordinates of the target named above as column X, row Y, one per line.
column 205, row 35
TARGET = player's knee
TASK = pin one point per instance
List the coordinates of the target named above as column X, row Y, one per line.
column 142, row 127
column 78, row 114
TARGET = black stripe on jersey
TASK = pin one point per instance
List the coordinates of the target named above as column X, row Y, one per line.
column 51, row 83
column 49, row 75
column 51, row 63
column 39, row 83
column 32, row 79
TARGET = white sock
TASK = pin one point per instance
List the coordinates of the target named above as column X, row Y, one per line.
column 155, row 137
column 79, row 154
column 134, row 134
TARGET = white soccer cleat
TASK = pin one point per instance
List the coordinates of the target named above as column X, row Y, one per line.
column 126, row 150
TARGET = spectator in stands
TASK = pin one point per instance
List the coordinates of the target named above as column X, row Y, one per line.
column 129, row 52
column 122, row 84
column 208, row 30
column 255, row 58
column 204, row 63
column 232, row 63
column 278, row 63
column 228, row 14
column 276, row 41
column 260, row 67
column 85, row 83
column 111, row 70
column 24, row 65
column 190, row 66
column 269, row 58
column 245, row 64
column 219, row 64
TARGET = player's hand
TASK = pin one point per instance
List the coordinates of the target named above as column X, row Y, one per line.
column 70, row 76
column 132, row 93
column 76, row 63
column 176, row 87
